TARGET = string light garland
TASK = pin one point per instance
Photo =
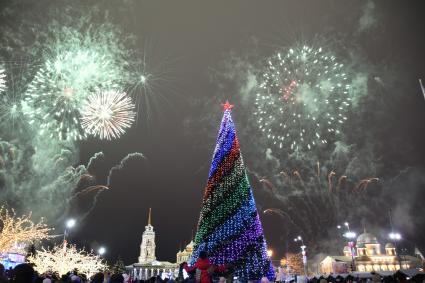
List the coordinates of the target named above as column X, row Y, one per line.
column 64, row 258
column 19, row 230
column 229, row 227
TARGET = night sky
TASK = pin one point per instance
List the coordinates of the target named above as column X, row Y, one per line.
column 191, row 41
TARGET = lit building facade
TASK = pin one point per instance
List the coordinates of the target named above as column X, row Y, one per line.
column 186, row 254
column 368, row 257
column 147, row 265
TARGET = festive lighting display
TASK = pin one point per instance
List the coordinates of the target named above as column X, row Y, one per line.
column 65, row 258
column 2, row 80
column 229, row 227
column 293, row 262
column 107, row 114
column 302, row 98
column 19, row 230
column 60, row 88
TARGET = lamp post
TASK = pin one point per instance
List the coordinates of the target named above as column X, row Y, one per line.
column 350, row 236
column 270, row 253
column 101, row 251
column 395, row 237
column 303, row 252
column 68, row 225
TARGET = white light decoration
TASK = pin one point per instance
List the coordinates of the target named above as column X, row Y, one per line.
column 19, row 230
column 65, row 258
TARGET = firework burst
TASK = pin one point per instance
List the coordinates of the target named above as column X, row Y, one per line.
column 11, row 102
column 150, row 80
column 107, row 114
column 302, row 98
column 60, row 88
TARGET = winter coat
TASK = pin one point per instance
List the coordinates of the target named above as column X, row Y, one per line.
column 206, row 268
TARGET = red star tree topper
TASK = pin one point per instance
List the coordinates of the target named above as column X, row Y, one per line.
column 227, row 106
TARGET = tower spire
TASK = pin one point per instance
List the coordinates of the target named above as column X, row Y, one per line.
column 149, row 217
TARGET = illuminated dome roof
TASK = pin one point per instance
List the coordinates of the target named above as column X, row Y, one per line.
column 389, row 246
column 366, row 238
column 189, row 247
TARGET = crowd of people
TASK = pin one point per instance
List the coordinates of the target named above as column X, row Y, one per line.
column 203, row 271
column 398, row 277
column 25, row 273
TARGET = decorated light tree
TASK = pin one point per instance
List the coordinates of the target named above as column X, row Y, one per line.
column 229, row 227
column 65, row 258
column 16, row 231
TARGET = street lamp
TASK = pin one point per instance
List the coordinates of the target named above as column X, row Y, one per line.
column 395, row 237
column 70, row 223
column 350, row 235
column 303, row 252
column 101, row 251
column 269, row 253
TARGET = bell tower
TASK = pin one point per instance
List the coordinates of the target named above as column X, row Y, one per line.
column 147, row 247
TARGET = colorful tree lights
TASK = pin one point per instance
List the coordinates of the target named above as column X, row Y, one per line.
column 229, row 227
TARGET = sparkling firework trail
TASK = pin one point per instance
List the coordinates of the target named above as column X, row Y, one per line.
column 422, row 87
column 302, row 98
column 2, row 80
column 11, row 103
column 107, row 114
column 60, row 88
column 314, row 204
column 10, row 110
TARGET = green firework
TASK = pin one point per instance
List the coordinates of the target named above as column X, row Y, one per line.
column 60, row 87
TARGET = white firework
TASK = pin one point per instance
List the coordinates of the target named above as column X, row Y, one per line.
column 2, row 80
column 107, row 114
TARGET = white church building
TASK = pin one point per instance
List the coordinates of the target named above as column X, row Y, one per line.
column 147, row 265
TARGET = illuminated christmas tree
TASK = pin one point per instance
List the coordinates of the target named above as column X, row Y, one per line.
column 229, row 227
